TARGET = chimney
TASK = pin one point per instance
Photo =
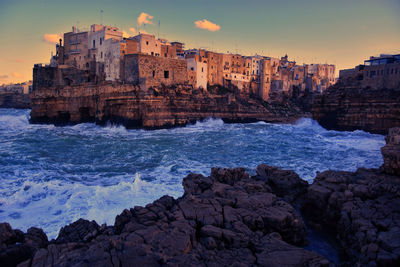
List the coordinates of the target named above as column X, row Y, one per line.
column 73, row 29
column 60, row 42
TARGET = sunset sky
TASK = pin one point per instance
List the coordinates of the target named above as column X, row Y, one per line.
column 341, row 32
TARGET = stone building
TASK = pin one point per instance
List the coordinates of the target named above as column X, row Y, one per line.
column 200, row 72
column 149, row 71
column 148, row 44
column 97, row 36
column 376, row 72
column 113, row 52
column 75, row 51
column 382, row 72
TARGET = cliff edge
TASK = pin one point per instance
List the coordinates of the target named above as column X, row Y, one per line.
column 351, row 108
column 160, row 107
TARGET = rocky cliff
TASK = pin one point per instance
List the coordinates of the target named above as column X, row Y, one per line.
column 14, row 100
column 348, row 109
column 156, row 108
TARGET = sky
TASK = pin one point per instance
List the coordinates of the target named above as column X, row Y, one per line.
column 340, row 32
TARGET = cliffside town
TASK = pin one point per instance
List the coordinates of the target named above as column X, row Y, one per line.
column 195, row 83
column 103, row 54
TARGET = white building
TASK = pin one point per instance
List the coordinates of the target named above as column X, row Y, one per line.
column 201, row 72
column 98, row 35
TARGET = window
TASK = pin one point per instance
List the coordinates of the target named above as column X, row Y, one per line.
column 267, row 79
column 202, row 69
column 191, row 68
column 147, row 42
column 101, row 41
column 94, row 43
column 152, row 53
column 154, row 73
column 101, row 55
column 166, row 74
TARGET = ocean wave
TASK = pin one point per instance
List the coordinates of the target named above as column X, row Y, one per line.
column 51, row 176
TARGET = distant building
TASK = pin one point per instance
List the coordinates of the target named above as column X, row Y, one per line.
column 377, row 72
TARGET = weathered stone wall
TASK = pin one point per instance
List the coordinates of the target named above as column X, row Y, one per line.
column 155, row 71
column 44, row 77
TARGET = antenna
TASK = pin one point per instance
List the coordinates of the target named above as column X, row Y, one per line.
column 158, row 32
column 101, row 17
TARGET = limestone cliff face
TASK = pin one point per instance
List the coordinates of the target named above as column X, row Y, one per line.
column 14, row 100
column 156, row 108
column 348, row 109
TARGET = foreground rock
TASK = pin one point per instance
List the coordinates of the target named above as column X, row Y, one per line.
column 363, row 209
column 227, row 219
column 391, row 152
column 156, row 108
column 348, row 109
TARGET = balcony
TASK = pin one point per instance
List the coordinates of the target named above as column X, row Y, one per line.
column 74, row 42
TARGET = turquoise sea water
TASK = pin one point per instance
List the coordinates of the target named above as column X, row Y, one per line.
column 51, row 176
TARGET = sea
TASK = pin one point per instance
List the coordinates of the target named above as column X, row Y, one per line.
column 51, row 176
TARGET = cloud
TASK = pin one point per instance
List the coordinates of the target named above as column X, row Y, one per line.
column 2, row 77
column 19, row 60
column 17, row 75
column 207, row 25
column 132, row 31
column 144, row 18
column 52, row 38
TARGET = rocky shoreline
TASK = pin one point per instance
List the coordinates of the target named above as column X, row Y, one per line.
column 232, row 218
column 14, row 100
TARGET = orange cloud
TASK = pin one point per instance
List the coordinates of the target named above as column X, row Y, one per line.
column 3, row 77
column 19, row 60
column 207, row 25
column 17, row 75
column 52, row 38
column 144, row 18
column 132, row 31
